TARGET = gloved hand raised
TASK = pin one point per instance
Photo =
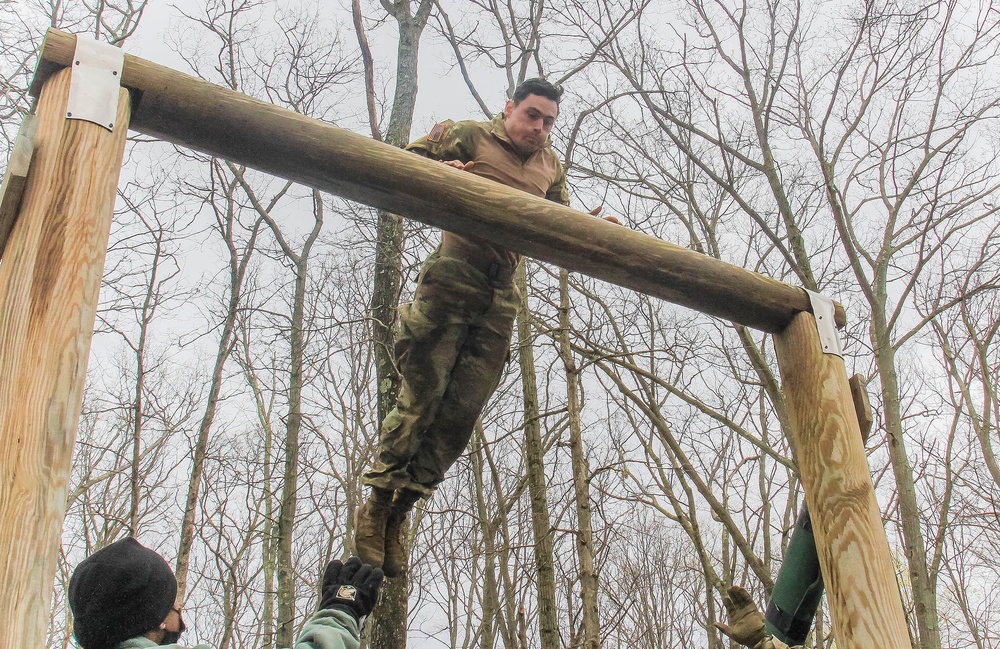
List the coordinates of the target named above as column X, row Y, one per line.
column 746, row 624
column 351, row 587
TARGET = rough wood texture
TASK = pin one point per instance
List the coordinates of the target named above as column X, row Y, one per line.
column 854, row 555
column 16, row 178
column 193, row 113
column 49, row 282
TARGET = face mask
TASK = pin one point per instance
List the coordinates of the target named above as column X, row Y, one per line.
column 171, row 637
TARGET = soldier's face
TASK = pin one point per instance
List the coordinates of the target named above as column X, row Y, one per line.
column 529, row 123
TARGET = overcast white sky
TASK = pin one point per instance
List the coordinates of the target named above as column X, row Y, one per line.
column 442, row 91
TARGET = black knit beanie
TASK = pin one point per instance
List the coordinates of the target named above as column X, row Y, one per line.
column 120, row 592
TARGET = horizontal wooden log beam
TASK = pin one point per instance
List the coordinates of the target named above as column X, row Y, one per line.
column 191, row 112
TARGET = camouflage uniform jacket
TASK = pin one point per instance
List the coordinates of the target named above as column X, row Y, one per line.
column 488, row 146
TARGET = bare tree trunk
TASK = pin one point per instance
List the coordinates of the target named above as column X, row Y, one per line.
column 137, row 415
column 387, row 626
column 137, row 411
column 268, row 547
column 548, row 622
column 581, row 479
column 268, row 537
column 491, row 589
column 923, row 587
column 389, row 232
column 237, row 271
column 286, row 512
column 149, row 304
column 980, row 420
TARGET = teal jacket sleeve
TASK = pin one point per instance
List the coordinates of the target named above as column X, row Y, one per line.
column 327, row 629
column 330, row 629
column 142, row 642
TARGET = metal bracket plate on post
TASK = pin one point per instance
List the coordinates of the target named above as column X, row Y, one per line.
column 824, row 311
column 95, row 82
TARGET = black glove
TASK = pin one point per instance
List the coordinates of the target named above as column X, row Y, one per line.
column 351, row 587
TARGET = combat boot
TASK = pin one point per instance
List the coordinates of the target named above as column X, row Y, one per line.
column 369, row 527
column 396, row 555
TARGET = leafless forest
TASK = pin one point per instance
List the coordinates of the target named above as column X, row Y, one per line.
column 634, row 462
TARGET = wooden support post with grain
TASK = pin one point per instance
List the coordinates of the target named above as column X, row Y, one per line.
column 853, row 551
column 50, row 275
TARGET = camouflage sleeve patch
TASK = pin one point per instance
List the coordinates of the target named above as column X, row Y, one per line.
column 436, row 132
column 447, row 140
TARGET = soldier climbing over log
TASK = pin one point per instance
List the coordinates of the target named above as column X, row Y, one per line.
column 453, row 339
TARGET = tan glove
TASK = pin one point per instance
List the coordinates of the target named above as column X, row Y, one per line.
column 746, row 623
column 770, row 642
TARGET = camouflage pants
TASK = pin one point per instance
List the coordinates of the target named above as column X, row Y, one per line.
column 452, row 345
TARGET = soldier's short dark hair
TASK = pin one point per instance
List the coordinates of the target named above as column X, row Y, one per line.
column 537, row 86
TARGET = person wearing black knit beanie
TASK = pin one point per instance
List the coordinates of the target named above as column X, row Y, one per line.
column 122, row 597
column 120, row 592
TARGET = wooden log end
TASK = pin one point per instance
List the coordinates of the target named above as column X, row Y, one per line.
column 16, row 178
column 52, row 57
column 839, row 315
column 862, row 406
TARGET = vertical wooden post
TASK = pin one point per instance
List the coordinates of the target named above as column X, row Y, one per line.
column 864, row 599
column 49, row 281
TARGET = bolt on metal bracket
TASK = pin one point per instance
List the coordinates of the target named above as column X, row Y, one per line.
column 95, row 82
column 824, row 311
